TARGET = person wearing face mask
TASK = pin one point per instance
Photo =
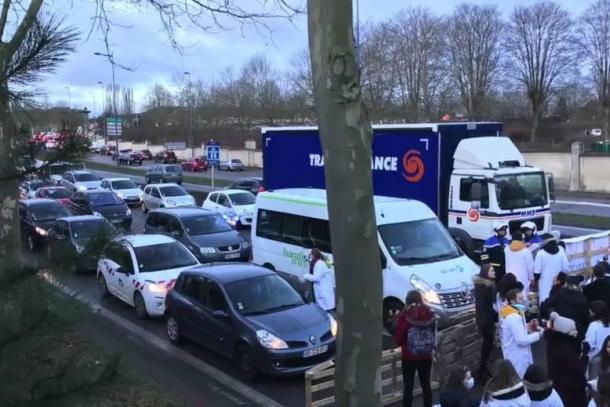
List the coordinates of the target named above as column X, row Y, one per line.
column 323, row 281
column 517, row 336
column 540, row 389
column 457, row 391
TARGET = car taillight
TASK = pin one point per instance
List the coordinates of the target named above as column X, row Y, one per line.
column 261, row 189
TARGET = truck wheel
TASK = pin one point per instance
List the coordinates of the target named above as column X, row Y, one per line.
column 465, row 242
column 391, row 308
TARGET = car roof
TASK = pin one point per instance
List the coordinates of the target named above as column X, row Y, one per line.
column 184, row 212
column 53, row 187
column 81, row 218
column 38, row 201
column 234, row 191
column 80, row 172
column 146, row 240
column 117, row 179
column 96, row 191
column 167, row 184
column 229, row 272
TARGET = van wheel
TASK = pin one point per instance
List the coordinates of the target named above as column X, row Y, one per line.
column 140, row 306
column 391, row 308
column 244, row 361
column 102, row 286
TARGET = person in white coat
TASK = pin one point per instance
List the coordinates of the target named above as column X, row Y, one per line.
column 516, row 336
column 323, row 281
column 520, row 262
column 599, row 328
column 505, row 388
column 540, row 388
column 550, row 261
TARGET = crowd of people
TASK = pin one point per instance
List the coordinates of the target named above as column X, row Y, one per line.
column 524, row 293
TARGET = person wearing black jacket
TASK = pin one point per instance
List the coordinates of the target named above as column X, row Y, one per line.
column 599, row 289
column 571, row 303
column 485, row 297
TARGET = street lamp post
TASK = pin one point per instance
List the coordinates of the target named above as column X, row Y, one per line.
column 115, row 112
column 190, row 101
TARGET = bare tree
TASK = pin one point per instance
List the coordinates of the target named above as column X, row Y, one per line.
column 473, row 45
column 418, row 59
column 595, row 42
column 300, row 85
column 159, row 97
column 127, row 102
column 346, row 138
column 540, row 48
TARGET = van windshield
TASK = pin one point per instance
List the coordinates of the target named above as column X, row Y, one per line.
column 418, row 242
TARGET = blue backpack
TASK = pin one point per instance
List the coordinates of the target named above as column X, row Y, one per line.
column 421, row 340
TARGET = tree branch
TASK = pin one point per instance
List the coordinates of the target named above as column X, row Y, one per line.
column 24, row 27
column 3, row 17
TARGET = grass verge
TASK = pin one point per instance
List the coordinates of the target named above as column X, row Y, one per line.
column 584, row 221
column 204, row 180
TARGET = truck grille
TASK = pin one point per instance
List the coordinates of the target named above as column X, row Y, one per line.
column 516, row 224
column 457, row 299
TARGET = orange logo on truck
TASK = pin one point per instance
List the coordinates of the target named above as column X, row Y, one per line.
column 473, row 215
column 413, row 166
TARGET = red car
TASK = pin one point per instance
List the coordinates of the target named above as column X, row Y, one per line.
column 146, row 155
column 60, row 194
column 195, row 164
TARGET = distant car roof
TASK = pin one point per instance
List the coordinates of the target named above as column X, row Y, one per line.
column 117, row 179
column 39, row 201
column 185, row 212
column 80, row 172
column 82, row 218
column 234, row 191
column 47, row 187
column 230, row 272
column 96, row 191
column 146, row 240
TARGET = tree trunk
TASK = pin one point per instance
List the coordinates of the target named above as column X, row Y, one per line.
column 346, row 138
column 535, row 120
column 9, row 196
column 606, row 122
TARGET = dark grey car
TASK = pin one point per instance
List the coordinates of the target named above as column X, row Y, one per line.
column 162, row 173
column 251, row 315
column 207, row 235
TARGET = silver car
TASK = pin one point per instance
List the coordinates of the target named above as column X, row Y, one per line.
column 234, row 164
column 164, row 173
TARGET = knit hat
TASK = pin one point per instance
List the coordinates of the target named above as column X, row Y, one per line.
column 563, row 324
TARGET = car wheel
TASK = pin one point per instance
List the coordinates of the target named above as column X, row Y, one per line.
column 31, row 244
column 102, row 286
column 144, row 208
column 140, row 306
column 173, row 332
column 244, row 360
column 391, row 309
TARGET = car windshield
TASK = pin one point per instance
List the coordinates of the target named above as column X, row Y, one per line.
column 123, row 184
column 85, row 177
column 242, row 198
column 86, row 229
column 173, row 168
column 263, row 295
column 173, row 190
column 163, row 256
column 206, row 224
column 58, row 193
column 51, row 211
column 418, row 242
column 521, row 190
column 104, row 198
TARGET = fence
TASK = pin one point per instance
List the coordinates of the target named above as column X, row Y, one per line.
column 458, row 345
column 585, row 252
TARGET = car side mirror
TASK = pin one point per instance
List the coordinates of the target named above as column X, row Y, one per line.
column 220, row 314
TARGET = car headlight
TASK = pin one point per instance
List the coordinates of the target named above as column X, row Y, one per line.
column 207, row 250
column 171, row 202
column 128, row 212
column 429, row 295
column 98, row 214
column 245, row 244
column 157, row 288
column 270, row 341
column 41, row 231
column 333, row 325
column 79, row 249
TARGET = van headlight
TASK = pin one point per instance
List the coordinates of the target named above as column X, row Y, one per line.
column 171, row 202
column 333, row 325
column 41, row 231
column 430, row 296
column 270, row 341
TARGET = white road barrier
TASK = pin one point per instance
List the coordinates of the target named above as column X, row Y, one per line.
column 585, row 252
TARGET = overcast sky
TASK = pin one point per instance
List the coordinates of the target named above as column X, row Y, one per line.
column 139, row 42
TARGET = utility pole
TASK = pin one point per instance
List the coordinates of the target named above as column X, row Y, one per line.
column 114, row 108
column 190, row 102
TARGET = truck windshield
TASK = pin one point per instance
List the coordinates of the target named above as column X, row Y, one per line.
column 521, row 190
column 418, row 242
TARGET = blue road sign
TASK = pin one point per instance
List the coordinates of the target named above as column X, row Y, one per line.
column 213, row 152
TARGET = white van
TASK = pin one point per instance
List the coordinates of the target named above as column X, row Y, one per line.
column 417, row 251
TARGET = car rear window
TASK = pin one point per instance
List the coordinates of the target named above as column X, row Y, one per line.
column 49, row 211
column 172, row 190
column 163, row 256
column 57, row 193
column 104, row 198
column 85, row 177
column 173, row 168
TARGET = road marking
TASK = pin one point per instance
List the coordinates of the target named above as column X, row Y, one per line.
column 250, row 394
column 584, row 203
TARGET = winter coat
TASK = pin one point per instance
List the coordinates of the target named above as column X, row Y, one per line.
column 565, row 368
column 520, row 262
column 595, row 336
column 598, row 290
column 570, row 304
column 534, row 242
column 543, row 394
column 461, row 397
column 484, row 297
column 514, row 396
column 413, row 315
column 494, row 248
column 323, row 285
column 550, row 261
column 516, row 342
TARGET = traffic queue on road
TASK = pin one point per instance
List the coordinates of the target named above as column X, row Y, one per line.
column 189, row 266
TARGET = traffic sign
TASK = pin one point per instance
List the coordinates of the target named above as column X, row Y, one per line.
column 114, row 126
column 213, row 152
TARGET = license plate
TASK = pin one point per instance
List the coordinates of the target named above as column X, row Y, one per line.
column 232, row 256
column 315, row 351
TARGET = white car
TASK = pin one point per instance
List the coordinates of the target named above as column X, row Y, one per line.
column 165, row 196
column 141, row 269
column 125, row 189
column 81, row 181
column 596, row 132
column 231, row 165
column 235, row 205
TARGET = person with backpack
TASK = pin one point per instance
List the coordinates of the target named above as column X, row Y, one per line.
column 416, row 335
column 517, row 336
column 505, row 388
